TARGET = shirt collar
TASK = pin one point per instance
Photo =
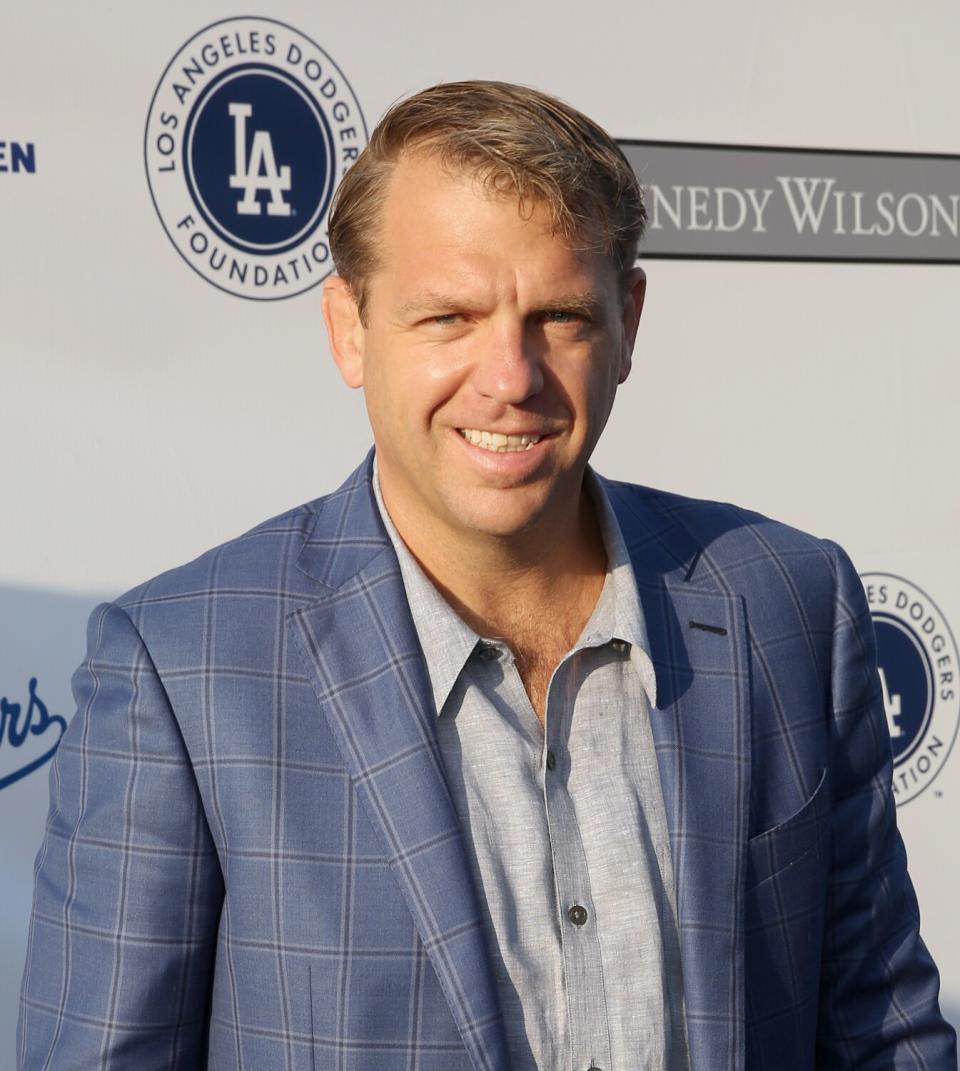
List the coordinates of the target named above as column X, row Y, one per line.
column 618, row 614
column 448, row 641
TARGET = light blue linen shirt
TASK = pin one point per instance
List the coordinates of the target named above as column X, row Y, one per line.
column 564, row 826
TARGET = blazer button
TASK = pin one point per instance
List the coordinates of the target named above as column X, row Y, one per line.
column 551, row 760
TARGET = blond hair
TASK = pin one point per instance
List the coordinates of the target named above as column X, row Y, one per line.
column 517, row 141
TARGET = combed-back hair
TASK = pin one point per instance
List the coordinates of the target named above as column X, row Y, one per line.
column 518, row 142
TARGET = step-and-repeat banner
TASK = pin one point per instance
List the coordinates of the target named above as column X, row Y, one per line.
column 165, row 181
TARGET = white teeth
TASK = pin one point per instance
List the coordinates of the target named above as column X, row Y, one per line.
column 498, row 442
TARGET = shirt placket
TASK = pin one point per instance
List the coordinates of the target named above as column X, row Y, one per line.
column 578, row 922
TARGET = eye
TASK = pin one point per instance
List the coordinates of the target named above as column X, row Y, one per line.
column 442, row 320
column 564, row 316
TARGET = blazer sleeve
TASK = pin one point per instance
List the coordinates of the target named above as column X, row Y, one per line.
column 128, row 886
column 879, row 997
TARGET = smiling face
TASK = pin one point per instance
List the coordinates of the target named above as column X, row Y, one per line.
column 489, row 360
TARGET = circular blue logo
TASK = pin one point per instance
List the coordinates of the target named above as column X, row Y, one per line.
column 906, row 679
column 250, row 130
column 262, row 192
column 917, row 661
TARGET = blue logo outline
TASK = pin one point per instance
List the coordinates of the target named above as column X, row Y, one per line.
column 902, row 762
column 887, row 619
column 146, row 144
column 267, row 70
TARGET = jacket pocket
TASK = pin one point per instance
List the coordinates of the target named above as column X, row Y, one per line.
column 775, row 850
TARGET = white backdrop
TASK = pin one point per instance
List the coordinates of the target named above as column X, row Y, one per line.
column 147, row 415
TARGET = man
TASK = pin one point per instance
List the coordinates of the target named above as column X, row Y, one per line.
column 482, row 761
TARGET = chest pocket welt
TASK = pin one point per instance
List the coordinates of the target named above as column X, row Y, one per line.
column 775, row 850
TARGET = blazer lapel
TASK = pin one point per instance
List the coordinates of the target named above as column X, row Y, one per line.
column 360, row 645
column 701, row 729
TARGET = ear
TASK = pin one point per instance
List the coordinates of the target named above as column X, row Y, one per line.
column 636, row 290
column 345, row 329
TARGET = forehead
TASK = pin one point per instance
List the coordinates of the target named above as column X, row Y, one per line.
column 436, row 217
column 425, row 191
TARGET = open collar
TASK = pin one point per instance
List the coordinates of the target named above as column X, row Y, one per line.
column 448, row 641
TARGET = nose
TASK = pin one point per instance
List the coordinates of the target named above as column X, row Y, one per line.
column 508, row 367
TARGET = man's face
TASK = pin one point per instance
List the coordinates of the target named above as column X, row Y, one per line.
column 482, row 324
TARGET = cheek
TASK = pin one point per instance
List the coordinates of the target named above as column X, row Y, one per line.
column 441, row 371
column 406, row 387
column 380, row 414
column 598, row 379
column 600, row 394
column 434, row 376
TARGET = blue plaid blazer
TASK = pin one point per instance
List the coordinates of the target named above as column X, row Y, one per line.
column 252, row 859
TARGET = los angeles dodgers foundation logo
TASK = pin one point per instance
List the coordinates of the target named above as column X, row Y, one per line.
column 919, row 667
column 250, row 129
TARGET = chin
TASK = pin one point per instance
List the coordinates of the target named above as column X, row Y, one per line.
column 502, row 523
column 511, row 509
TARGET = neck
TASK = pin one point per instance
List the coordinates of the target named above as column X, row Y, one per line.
column 498, row 585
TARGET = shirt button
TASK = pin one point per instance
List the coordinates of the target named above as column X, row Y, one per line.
column 577, row 915
column 488, row 652
column 551, row 760
column 619, row 645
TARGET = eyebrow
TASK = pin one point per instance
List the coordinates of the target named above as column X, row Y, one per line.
column 585, row 304
column 432, row 301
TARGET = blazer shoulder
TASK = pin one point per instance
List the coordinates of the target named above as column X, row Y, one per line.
column 728, row 539
column 259, row 558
